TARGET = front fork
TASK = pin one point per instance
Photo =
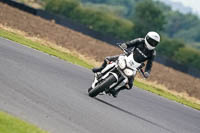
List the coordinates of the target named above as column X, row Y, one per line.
column 122, row 81
column 106, row 71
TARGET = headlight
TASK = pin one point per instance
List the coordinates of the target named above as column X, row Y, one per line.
column 129, row 72
column 122, row 63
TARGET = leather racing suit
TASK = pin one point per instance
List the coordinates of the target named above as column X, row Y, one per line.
column 141, row 54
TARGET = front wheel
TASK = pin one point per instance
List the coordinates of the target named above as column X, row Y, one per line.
column 101, row 86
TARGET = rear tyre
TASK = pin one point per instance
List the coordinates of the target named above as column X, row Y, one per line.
column 101, row 87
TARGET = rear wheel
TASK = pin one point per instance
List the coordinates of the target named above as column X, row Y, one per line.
column 101, row 86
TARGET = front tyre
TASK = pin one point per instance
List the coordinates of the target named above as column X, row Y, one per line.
column 101, row 87
column 89, row 89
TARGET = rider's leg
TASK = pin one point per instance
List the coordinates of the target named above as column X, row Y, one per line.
column 112, row 58
column 106, row 61
column 130, row 83
column 99, row 69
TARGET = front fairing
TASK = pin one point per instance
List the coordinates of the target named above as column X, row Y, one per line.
column 131, row 63
column 128, row 65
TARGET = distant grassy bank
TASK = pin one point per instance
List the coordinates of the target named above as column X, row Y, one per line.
column 10, row 124
column 47, row 49
column 80, row 61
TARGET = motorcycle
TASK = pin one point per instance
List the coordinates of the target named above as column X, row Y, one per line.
column 115, row 75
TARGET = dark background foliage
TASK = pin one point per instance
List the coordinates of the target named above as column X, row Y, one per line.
column 128, row 19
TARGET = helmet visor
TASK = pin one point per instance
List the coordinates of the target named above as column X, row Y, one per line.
column 151, row 41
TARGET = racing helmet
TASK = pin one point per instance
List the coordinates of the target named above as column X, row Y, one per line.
column 151, row 40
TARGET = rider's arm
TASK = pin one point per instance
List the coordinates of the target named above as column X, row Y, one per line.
column 134, row 42
column 150, row 62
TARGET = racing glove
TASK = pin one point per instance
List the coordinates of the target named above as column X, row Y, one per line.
column 146, row 74
column 123, row 45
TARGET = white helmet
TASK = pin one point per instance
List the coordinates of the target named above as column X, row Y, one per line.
column 151, row 40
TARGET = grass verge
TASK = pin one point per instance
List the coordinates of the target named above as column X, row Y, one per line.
column 10, row 124
column 47, row 49
column 167, row 95
column 79, row 61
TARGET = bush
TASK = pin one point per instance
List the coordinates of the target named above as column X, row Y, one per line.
column 169, row 47
column 64, row 7
column 107, row 23
column 148, row 17
column 177, row 50
column 188, row 56
column 96, row 20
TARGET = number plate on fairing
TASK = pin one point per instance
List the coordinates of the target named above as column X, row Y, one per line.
column 131, row 62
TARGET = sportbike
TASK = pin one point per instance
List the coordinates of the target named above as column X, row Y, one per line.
column 116, row 74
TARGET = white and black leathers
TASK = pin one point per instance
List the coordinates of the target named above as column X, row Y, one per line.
column 141, row 52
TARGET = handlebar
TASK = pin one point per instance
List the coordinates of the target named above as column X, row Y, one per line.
column 124, row 50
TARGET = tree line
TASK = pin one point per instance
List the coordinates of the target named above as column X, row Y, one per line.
column 178, row 25
column 140, row 17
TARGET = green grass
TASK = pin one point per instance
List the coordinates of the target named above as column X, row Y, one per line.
column 36, row 45
column 75, row 60
column 10, row 124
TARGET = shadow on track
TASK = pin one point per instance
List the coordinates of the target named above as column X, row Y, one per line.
column 133, row 115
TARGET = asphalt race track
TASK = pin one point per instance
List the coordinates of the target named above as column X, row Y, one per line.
column 52, row 94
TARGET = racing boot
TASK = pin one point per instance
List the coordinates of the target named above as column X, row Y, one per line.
column 107, row 60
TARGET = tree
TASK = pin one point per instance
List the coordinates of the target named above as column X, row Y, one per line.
column 128, row 5
column 64, row 7
column 106, row 23
column 192, row 58
column 169, row 47
column 189, row 35
column 178, row 22
column 147, row 17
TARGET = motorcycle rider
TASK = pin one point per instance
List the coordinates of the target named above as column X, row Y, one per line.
column 143, row 49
